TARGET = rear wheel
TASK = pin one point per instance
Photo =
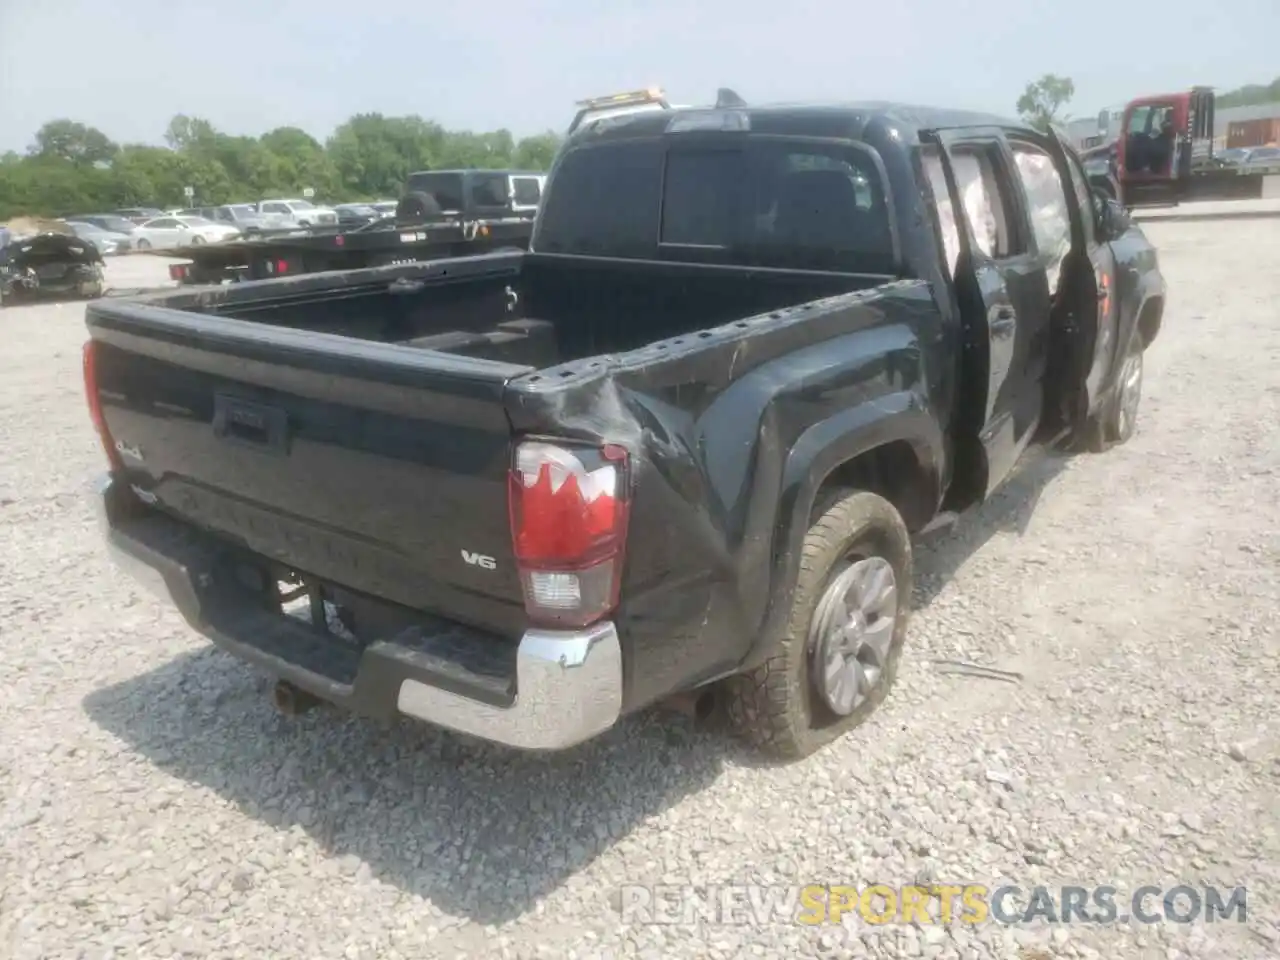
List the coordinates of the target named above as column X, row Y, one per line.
column 844, row 638
column 144, row 244
column 417, row 207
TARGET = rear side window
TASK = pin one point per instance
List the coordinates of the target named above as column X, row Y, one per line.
column 982, row 202
column 525, row 191
column 765, row 203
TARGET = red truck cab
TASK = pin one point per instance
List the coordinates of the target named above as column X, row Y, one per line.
column 1157, row 139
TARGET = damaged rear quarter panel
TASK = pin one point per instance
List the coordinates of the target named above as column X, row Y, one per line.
column 731, row 432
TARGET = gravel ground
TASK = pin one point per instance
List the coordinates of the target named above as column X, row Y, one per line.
column 152, row 804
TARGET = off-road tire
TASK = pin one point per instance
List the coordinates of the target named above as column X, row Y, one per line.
column 417, row 207
column 775, row 706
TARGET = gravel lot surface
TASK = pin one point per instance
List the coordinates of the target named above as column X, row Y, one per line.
column 153, row 804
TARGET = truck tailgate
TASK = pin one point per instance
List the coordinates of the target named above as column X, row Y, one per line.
column 380, row 468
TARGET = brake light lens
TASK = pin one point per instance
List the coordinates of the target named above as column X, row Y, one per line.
column 569, row 511
column 90, row 362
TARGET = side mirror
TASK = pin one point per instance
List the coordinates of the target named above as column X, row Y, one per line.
column 1113, row 220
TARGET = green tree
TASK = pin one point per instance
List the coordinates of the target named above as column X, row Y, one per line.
column 189, row 133
column 1251, row 95
column 73, row 142
column 299, row 161
column 1042, row 101
column 537, row 152
column 74, row 168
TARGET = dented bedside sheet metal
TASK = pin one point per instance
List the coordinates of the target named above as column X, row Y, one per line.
column 733, row 429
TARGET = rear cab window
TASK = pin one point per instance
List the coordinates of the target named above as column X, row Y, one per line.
column 765, row 202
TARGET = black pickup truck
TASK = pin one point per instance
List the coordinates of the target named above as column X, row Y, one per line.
column 675, row 451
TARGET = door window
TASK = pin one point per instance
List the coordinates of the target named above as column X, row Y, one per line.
column 931, row 160
column 1047, row 206
column 984, row 203
column 1085, row 197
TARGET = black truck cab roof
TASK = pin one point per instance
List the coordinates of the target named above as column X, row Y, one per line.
column 667, row 153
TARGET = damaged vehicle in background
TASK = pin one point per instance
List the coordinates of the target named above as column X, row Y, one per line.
column 45, row 258
column 676, row 452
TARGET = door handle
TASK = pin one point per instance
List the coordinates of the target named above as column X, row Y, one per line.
column 251, row 424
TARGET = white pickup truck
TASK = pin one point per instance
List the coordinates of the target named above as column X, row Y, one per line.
column 302, row 212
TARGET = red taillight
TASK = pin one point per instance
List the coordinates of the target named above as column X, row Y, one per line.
column 282, row 266
column 569, row 511
column 177, row 271
column 90, row 358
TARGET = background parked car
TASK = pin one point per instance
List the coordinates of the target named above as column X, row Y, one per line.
column 164, row 232
column 1235, row 156
column 357, row 214
column 304, row 212
column 111, row 222
column 140, row 214
column 108, row 242
column 1262, row 160
column 385, row 208
column 243, row 216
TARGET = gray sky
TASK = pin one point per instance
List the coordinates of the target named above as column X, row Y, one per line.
column 250, row 65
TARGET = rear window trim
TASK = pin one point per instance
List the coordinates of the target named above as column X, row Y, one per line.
column 668, row 141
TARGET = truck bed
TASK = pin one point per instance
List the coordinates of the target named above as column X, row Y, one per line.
column 357, row 429
column 528, row 310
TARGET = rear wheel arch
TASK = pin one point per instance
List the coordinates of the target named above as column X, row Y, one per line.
column 898, row 458
column 895, row 471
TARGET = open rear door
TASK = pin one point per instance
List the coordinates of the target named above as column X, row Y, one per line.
column 1003, row 297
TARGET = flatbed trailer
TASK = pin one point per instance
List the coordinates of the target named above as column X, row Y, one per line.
column 1163, row 155
column 319, row 250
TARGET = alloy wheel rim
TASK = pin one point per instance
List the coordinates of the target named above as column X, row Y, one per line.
column 852, row 633
column 1130, row 393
